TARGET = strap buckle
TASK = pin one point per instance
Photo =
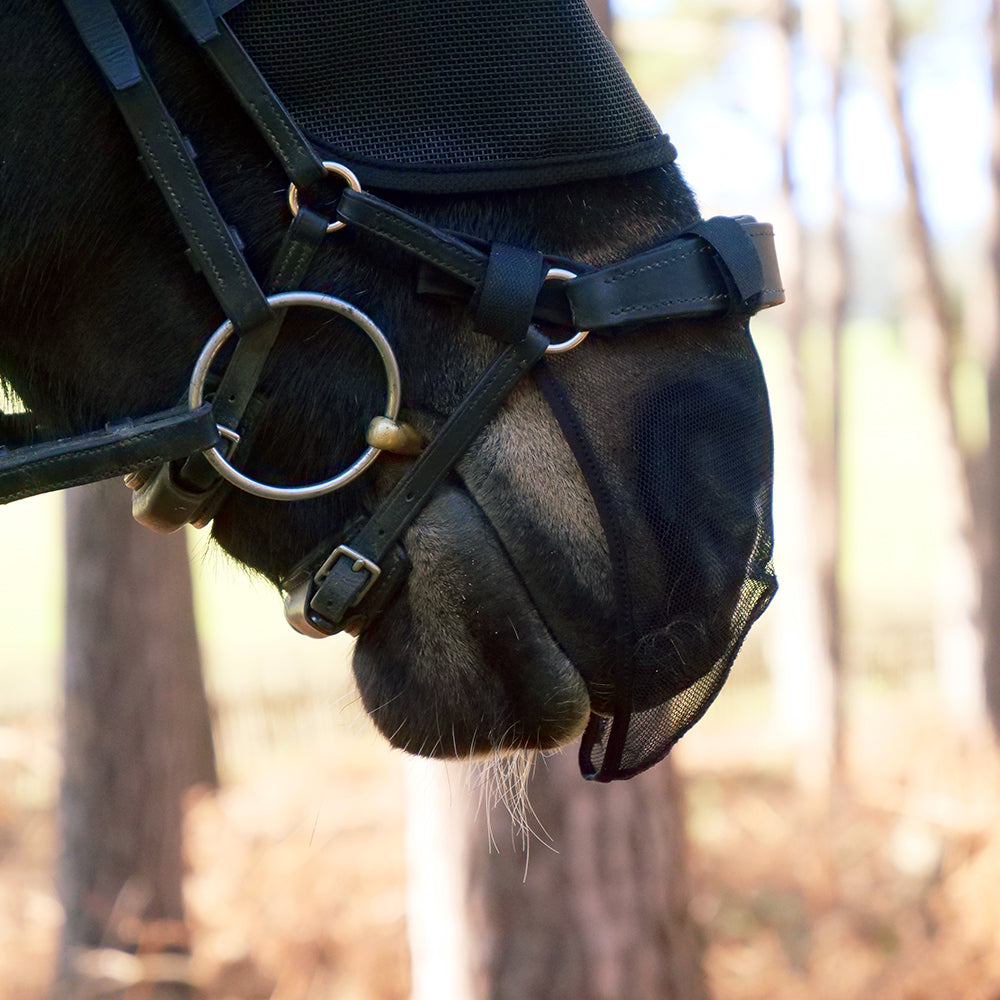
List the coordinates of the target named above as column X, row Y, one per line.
column 303, row 586
column 361, row 565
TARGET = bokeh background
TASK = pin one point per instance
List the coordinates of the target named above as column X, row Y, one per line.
column 841, row 796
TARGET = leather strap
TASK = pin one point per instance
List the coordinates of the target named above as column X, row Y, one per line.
column 215, row 250
column 116, row 449
column 275, row 124
column 718, row 266
column 352, row 568
column 434, row 246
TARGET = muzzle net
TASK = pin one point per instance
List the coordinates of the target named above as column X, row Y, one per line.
column 676, row 449
column 673, row 432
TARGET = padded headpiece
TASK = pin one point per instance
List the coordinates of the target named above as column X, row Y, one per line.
column 474, row 95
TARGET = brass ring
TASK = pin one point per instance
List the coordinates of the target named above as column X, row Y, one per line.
column 332, row 168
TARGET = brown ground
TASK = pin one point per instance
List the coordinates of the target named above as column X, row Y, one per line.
column 296, row 888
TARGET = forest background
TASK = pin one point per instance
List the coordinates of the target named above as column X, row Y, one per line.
column 856, row 732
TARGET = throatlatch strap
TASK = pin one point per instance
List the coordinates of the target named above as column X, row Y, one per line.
column 104, row 454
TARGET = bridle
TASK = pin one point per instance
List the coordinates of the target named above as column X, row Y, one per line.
column 717, row 267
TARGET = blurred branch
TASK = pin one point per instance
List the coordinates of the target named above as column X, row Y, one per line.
column 934, row 335
column 991, row 509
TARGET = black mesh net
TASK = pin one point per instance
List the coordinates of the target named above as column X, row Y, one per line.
column 469, row 95
column 675, row 441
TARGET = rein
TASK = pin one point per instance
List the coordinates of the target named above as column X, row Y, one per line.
column 717, row 267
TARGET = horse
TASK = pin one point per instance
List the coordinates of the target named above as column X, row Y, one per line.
column 545, row 535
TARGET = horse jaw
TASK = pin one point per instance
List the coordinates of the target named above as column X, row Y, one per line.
column 462, row 665
column 465, row 662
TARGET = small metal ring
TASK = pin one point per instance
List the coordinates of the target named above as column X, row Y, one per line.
column 331, row 168
column 561, row 274
column 196, row 392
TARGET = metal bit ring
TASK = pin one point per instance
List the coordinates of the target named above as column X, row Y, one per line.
column 561, row 274
column 196, row 391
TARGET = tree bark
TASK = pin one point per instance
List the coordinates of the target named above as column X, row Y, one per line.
column 137, row 736
column 600, row 914
column 801, row 622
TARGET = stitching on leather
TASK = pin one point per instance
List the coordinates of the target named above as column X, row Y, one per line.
column 674, row 258
column 418, row 244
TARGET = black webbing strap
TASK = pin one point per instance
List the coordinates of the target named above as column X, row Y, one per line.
column 505, row 301
column 112, row 451
column 353, row 568
column 214, row 248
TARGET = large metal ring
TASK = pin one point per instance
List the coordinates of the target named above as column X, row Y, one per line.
column 283, row 301
column 561, row 274
column 331, row 168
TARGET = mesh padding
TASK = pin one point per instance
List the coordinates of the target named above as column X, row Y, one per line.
column 468, row 95
column 682, row 479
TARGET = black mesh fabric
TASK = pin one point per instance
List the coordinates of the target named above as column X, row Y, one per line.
column 472, row 95
column 675, row 442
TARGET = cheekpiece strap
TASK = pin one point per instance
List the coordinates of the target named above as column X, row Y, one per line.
column 323, row 604
column 215, row 249
column 275, row 124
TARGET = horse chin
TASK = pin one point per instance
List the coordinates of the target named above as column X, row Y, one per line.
column 461, row 664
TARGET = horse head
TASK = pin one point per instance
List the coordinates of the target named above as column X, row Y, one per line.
column 589, row 558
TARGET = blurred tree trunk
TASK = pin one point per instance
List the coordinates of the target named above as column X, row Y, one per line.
column 934, row 336
column 802, row 626
column 991, row 582
column 825, row 28
column 593, row 907
column 601, row 915
column 137, row 736
column 607, row 916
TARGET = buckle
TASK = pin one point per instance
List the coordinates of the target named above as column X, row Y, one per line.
column 361, row 565
column 318, row 611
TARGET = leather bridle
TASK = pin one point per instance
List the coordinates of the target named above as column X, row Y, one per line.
column 716, row 267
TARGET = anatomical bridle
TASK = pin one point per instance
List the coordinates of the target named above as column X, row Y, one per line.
column 716, row 267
